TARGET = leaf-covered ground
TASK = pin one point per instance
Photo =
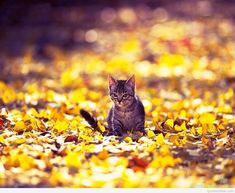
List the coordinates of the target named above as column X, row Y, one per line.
column 185, row 76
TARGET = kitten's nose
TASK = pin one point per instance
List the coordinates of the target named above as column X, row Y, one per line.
column 119, row 100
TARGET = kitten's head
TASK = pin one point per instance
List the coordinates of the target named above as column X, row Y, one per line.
column 122, row 92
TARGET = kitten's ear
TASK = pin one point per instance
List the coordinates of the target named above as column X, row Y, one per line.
column 112, row 81
column 131, row 81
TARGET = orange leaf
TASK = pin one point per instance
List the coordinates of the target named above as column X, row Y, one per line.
column 103, row 154
column 205, row 140
column 224, row 134
column 137, row 164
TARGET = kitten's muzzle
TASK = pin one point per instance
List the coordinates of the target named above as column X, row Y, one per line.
column 119, row 100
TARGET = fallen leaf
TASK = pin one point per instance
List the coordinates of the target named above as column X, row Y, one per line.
column 71, row 138
column 150, row 134
column 137, row 164
column 181, row 127
column 170, row 122
column 20, row 126
column 61, row 126
column 207, row 118
column 160, row 139
column 103, row 155
column 128, row 140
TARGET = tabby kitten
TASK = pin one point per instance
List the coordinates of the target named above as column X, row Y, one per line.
column 127, row 112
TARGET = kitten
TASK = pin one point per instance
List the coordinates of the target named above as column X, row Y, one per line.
column 127, row 112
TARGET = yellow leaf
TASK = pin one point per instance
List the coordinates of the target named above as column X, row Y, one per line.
column 150, row 134
column 224, row 134
column 207, row 118
column 183, row 113
column 152, row 147
column 128, row 140
column 57, row 178
column 170, row 122
column 160, row 139
column 39, row 125
column 193, row 130
column 164, row 161
column 199, row 130
column 61, row 126
column 211, row 129
column 183, row 141
column 20, row 126
column 34, row 112
column 168, row 161
column 167, row 135
column 74, row 124
column 43, row 114
column 2, row 139
column 26, row 162
column 225, row 109
column 13, row 160
column 20, row 141
column 181, row 128
column 164, row 149
column 73, row 160
column 8, row 95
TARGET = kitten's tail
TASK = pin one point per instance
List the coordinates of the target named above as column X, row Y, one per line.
column 92, row 121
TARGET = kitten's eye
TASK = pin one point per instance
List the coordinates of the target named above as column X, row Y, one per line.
column 114, row 95
column 125, row 96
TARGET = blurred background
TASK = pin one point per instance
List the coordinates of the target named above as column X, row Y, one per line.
column 64, row 23
column 158, row 38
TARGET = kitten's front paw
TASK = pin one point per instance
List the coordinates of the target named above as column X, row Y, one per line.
column 142, row 131
column 118, row 132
